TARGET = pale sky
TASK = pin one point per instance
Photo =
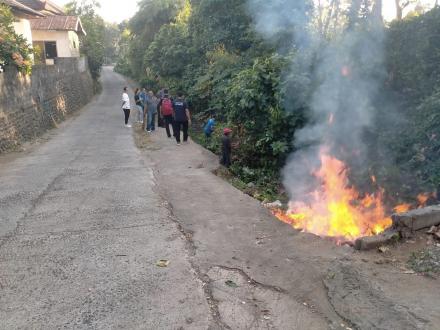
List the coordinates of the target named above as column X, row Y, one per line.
column 119, row 10
column 114, row 11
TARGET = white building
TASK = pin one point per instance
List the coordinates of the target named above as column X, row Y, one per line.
column 47, row 28
column 23, row 14
column 56, row 36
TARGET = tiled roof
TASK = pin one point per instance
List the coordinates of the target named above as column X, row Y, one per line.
column 45, row 6
column 15, row 5
column 58, row 23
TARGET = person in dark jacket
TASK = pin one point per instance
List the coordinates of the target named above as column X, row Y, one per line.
column 182, row 118
column 226, row 148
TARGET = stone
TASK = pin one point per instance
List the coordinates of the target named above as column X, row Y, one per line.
column 274, row 205
column 409, row 222
column 374, row 242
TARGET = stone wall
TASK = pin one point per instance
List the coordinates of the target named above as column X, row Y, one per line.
column 29, row 106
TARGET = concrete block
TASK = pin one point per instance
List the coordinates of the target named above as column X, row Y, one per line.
column 373, row 242
column 417, row 219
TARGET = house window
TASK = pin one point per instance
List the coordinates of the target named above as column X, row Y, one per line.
column 39, row 52
column 74, row 44
column 50, row 49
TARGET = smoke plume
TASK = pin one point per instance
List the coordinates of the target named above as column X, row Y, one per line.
column 347, row 74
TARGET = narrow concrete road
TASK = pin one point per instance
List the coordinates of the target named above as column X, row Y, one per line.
column 81, row 230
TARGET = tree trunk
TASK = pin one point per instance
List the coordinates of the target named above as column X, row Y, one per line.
column 377, row 10
column 353, row 13
column 399, row 10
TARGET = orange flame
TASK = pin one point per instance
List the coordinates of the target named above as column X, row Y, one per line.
column 336, row 209
column 422, row 199
column 402, row 208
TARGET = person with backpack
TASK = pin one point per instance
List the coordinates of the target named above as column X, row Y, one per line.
column 166, row 112
column 182, row 118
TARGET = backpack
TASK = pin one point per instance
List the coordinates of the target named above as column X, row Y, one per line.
column 167, row 107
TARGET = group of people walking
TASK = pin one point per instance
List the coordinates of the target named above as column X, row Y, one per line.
column 170, row 112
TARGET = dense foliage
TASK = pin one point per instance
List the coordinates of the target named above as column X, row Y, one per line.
column 14, row 49
column 210, row 49
column 413, row 56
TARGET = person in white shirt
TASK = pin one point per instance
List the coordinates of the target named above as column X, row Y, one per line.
column 126, row 106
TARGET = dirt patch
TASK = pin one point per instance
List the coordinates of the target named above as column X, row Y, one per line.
column 356, row 298
column 142, row 139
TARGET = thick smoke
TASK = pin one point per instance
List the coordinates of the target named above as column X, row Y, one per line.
column 347, row 73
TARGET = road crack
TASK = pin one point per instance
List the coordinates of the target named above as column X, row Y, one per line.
column 191, row 251
column 201, row 276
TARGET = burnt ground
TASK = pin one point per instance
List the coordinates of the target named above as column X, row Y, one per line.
column 262, row 273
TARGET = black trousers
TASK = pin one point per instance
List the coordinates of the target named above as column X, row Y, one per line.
column 178, row 126
column 225, row 160
column 127, row 115
column 168, row 120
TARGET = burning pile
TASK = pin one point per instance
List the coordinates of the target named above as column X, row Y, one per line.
column 337, row 209
column 344, row 101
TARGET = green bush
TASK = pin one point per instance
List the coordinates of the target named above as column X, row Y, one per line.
column 413, row 55
column 254, row 102
column 123, row 66
column 14, row 49
column 411, row 135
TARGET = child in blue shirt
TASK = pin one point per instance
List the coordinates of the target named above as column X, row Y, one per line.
column 209, row 128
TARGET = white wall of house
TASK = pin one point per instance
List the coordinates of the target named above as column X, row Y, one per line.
column 67, row 41
column 23, row 27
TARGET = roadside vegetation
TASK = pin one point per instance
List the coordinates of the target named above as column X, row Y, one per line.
column 426, row 261
column 14, row 49
column 210, row 50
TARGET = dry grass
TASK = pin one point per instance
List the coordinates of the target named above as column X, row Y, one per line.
column 142, row 139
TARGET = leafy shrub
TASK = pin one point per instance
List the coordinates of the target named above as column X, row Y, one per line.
column 255, row 106
column 123, row 66
column 14, row 49
column 413, row 54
